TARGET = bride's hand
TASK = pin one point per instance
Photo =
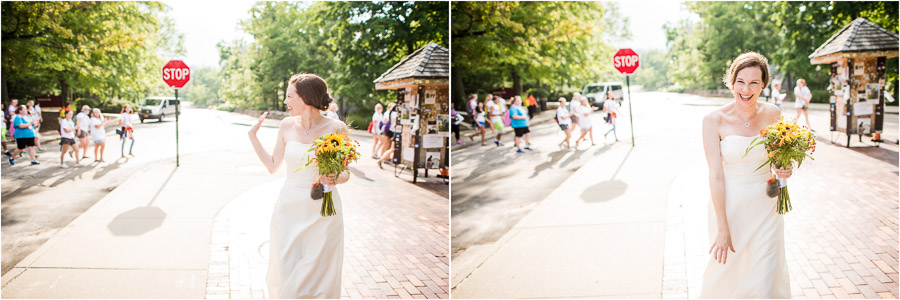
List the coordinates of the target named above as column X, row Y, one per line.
column 330, row 179
column 720, row 246
column 784, row 173
column 256, row 126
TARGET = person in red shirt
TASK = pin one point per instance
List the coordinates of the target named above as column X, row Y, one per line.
column 532, row 105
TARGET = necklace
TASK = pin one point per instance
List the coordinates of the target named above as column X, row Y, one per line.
column 306, row 130
column 747, row 124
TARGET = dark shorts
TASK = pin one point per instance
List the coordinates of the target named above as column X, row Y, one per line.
column 81, row 134
column 25, row 143
column 521, row 131
column 66, row 141
column 564, row 126
column 389, row 134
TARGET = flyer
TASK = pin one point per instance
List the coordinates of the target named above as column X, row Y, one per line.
column 432, row 141
column 432, row 160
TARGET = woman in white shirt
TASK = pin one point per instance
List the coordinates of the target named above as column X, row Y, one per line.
column 564, row 118
column 98, row 133
column 583, row 112
column 479, row 120
column 377, row 117
column 803, row 97
column 127, row 130
column 82, row 129
column 67, row 139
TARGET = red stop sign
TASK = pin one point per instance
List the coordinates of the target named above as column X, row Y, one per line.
column 626, row 61
column 176, row 74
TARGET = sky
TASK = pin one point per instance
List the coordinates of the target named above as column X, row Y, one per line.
column 204, row 23
column 646, row 25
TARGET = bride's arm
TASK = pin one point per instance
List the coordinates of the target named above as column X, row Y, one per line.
column 272, row 162
column 722, row 243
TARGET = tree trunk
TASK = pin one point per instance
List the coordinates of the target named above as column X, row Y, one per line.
column 277, row 107
column 458, row 92
column 64, row 87
column 4, row 92
column 517, row 81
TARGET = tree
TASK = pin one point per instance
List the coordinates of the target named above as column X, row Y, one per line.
column 518, row 42
column 108, row 50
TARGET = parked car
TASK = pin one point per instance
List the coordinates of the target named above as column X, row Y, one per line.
column 596, row 92
column 157, row 108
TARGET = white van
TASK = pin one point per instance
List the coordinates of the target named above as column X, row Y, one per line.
column 596, row 92
column 157, row 108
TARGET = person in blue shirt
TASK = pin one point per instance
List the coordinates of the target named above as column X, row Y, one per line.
column 24, row 135
column 520, row 124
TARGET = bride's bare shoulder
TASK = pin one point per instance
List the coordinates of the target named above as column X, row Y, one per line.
column 715, row 116
column 336, row 125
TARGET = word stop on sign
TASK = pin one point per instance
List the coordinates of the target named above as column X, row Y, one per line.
column 177, row 74
column 625, row 61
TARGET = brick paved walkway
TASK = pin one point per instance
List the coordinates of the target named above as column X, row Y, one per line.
column 841, row 238
column 396, row 241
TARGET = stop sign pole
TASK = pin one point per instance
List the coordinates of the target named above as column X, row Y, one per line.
column 626, row 61
column 176, row 74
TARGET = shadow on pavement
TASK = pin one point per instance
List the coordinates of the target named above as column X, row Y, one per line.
column 140, row 220
column 604, row 191
column 881, row 154
column 137, row 221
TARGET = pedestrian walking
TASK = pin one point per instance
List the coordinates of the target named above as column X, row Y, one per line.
column 24, row 135
column 611, row 107
column 455, row 119
column 388, row 124
column 803, row 96
column 479, row 121
column 777, row 95
column 519, row 124
column 3, row 118
column 375, row 129
column 62, row 116
column 82, row 129
column 67, row 139
column 127, row 131
column 573, row 109
column 35, row 113
column 584, row 121
column 98, row 133
column 564, row 119
column 470, row 108
column 332, row 111
column 488, row 105
column 532, row 105
column 496, row 113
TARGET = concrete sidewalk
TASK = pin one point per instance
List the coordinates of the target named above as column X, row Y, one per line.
column 147, row 238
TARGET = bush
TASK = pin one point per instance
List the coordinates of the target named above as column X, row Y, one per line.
column 355, row 121
column 538, row 93
column 820, row 96
column 226, row 107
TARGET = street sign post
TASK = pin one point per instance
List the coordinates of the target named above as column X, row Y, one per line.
column 626, row 61
column 176, row 74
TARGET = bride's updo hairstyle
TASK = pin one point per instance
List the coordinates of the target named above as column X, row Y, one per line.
column 747, row 60
column 312, row 89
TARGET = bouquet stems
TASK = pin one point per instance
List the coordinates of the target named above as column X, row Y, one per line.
column 327, row 203
column 784, row 199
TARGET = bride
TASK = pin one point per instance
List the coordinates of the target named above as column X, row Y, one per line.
column 306, row 250
column 748, row 259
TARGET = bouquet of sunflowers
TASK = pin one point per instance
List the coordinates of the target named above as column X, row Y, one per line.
column 334, row 152
column 786, row 143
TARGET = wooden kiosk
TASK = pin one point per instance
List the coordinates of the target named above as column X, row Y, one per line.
column 857, row 54
column 422, row 129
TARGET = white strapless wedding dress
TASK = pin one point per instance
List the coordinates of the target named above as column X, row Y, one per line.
column 306, row 250
column 757, row 268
